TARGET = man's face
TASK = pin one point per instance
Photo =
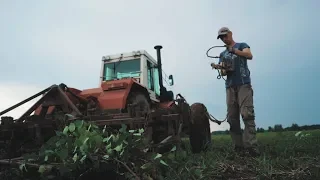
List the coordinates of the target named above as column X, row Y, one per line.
column 227, row 39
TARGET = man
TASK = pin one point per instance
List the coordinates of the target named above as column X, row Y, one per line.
column 239, row 93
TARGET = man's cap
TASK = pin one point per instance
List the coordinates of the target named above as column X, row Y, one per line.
column 223, row 31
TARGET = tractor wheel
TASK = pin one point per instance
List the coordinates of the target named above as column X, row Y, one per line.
column 200, row 135
column 143, row 105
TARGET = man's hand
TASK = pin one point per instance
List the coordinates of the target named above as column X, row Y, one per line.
column 231, row 49
column 245, row 52
column 215, row 66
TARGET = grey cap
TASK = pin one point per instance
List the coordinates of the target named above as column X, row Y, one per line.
column 223, row 31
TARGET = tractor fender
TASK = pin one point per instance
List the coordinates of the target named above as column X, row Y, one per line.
column 115, row 94
column 137, row 89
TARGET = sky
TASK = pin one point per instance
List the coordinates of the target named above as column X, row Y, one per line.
column 51, row 42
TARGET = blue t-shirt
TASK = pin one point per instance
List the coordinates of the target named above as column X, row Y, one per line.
column 241, row 74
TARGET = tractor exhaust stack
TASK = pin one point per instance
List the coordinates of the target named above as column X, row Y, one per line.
column 158, row 48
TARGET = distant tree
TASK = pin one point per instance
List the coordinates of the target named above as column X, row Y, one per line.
column 295, row 127
column 260, row 130
column 278, row 128
column 310, row 127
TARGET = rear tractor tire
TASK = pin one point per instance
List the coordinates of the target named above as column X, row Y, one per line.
column 200, row 135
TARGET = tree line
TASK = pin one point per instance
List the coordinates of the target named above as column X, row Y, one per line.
column 279, row 128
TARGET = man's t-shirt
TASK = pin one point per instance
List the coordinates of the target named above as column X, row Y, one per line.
column 241, row 74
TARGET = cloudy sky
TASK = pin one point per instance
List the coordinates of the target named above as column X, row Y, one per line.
column 50, row 42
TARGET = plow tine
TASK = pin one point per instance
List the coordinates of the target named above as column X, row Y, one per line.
column 68, row 101
column 25, row 101
column 61, row 94
column 37, row 104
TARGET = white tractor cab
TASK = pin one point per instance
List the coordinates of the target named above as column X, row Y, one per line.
column 141, row 66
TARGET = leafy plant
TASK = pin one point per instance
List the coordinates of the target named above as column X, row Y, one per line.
column 83, row 145
column 285, row 155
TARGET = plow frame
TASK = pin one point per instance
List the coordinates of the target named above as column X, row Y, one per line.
column 39, row 128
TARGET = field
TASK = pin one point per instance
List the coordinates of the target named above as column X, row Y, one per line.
column 285, row 155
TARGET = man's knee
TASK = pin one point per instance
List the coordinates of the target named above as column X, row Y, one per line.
column 247, row 113
column 248, row 117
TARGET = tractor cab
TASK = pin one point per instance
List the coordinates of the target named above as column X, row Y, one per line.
column 137, row 65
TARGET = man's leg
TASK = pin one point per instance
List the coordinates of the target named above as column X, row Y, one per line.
column 233, row 111
column 248, row 116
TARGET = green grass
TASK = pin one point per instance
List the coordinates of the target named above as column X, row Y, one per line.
column 283, row 156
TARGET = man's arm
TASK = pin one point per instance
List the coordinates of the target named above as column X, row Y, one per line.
column 245, row 53
column 220, row 58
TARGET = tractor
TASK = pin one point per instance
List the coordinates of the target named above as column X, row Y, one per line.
column 131, row 92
